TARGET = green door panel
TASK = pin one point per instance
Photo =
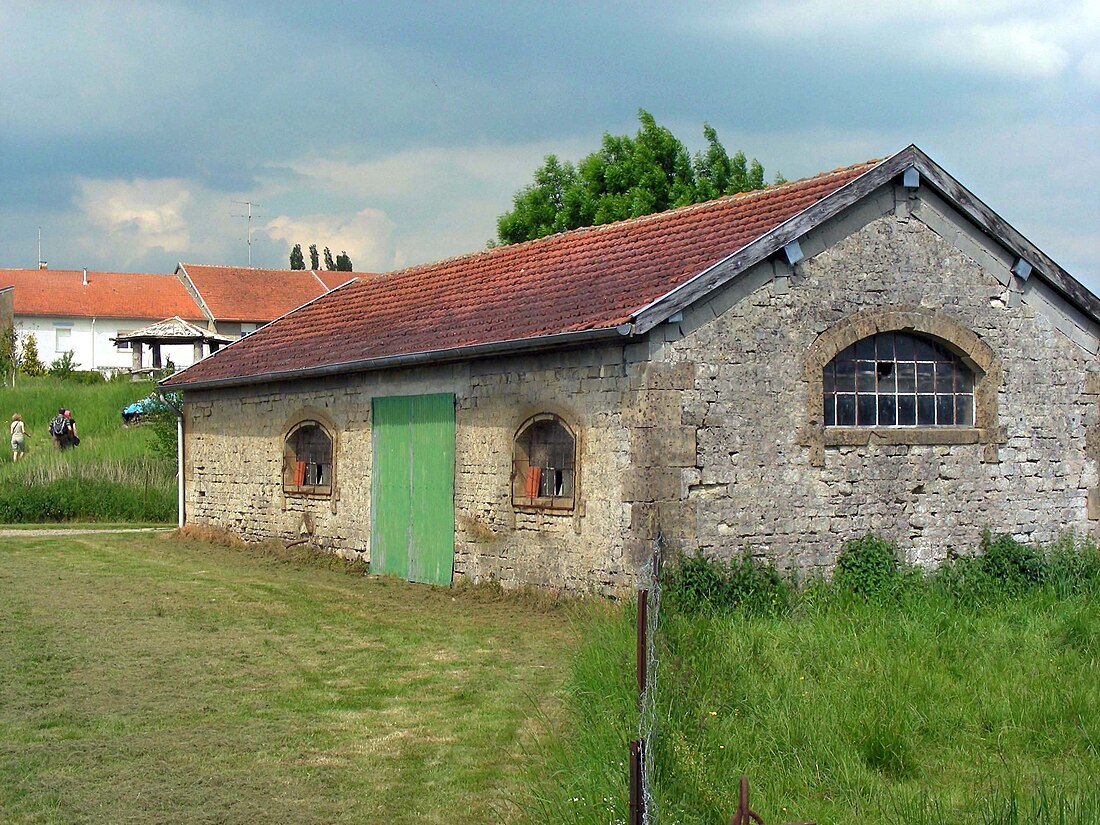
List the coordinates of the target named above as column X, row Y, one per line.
column 412, row 487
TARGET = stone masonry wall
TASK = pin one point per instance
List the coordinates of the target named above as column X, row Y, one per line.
column 234, row 443
column 755, row 482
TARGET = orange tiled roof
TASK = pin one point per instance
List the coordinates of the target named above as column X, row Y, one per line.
column 241, row 293
column 586, row 279
column 63, row 293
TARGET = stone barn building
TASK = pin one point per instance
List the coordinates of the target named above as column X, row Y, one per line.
column 870, row 349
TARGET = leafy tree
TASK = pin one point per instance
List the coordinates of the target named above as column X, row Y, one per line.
column 625, row 178
column 329, row 264
column 343, row 262
column 314, row 258
column 297, row 259
column 29, row 361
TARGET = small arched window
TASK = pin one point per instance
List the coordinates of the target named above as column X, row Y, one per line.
column 898, row 379
column 544, row 470
column 307, row 459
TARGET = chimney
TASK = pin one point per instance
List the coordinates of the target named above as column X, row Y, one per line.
column 43, row 265
column 84, row 281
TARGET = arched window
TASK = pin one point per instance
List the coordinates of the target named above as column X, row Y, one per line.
column 897, row 379
column 307, row 459
column 544, row 470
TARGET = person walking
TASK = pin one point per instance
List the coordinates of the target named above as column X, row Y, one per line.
column 71, row 439
column 57, row 428
column 18, row 437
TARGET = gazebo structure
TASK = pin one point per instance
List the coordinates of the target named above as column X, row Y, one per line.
column 170, row 332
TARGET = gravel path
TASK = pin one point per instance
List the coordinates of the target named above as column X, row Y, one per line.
column 81, row 531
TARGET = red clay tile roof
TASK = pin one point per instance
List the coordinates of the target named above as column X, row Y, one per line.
column 62, row 293
column 585, row 279
column 240, row 293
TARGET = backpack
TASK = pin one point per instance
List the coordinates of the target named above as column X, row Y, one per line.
column 57, row 426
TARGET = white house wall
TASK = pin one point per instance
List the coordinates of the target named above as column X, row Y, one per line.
column 90, row 341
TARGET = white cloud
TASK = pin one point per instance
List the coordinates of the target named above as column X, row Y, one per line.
column 428, row 172
column 1006, row 38
column 1015, row 48
column 367, row 237
column 138, row 215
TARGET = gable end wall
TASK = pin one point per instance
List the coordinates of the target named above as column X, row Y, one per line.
column 755, row 484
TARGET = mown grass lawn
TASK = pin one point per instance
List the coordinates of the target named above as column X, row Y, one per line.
column 146, row 679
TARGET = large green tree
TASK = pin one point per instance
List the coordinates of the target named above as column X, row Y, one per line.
column 625, row 178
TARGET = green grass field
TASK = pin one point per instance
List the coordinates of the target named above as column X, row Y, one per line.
column 918, row 708
column 116, row 474
column 146, row 679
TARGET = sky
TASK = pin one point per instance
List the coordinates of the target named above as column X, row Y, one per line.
column 135, row 135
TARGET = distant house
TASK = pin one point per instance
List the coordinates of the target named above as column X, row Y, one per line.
column 92, row 313
column 870, row 349
column 236, row 300
column 81, row 311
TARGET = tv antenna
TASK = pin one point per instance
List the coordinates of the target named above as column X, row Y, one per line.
column 249, row 204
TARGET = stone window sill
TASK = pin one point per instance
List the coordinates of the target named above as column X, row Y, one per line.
column 858, row 436
column 546, row 504
column 308, row 491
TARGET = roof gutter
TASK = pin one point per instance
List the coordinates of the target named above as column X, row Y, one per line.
column 514, row 347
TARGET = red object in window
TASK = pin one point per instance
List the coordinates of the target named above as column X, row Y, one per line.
column 534, row 475
column 299, row 473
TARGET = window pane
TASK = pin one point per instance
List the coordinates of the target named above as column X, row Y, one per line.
column 907, row 377
column 886, row 378
column 945, row 377
column 964, row 380
column 926, row 377
column 865, row 376
column 884, row 346
column 828, row 378
column 964, row 410
column 907, row 410
column 866, row 348
column 887, row 411
column 945, row 409
column 845, row 410
column 830, row 410
column 903, row 346
column 866, row 411
column 926, row 410
column 924, row 350
column 845, row 376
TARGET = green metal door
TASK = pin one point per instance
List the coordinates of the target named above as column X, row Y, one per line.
column 412, row 487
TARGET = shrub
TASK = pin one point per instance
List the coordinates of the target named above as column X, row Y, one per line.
column 1012, row 565
column 868, row 567
column 64, row 366
column 87, row 377
column 744, row 583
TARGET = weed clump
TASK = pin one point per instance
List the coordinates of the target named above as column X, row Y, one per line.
column 745, row 583
column 868, row 567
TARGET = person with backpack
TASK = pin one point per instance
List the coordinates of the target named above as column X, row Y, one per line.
column 57, row 428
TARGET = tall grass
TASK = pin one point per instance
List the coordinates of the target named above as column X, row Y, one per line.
column 884, row 696
column 116, row 474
